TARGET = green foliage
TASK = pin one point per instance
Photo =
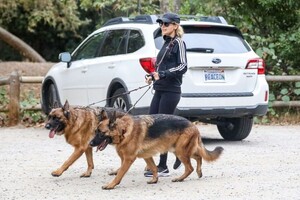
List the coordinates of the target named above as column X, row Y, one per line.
column 272, row 29
column 102, row 10
column 30, row 117
column 3, row 96
column 49, row 26
column 29, row 100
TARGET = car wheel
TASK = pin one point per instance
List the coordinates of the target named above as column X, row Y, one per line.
column 120, row 100
column 236, row 128
column 51, row 98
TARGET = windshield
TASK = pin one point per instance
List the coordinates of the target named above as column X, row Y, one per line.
column 210, row 39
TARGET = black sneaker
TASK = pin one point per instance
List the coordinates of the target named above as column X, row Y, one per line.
column 177, row 164
column 162, row 172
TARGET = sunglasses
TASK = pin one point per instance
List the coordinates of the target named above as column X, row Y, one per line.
column 166, row 24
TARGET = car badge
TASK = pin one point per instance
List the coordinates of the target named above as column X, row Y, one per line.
column 216, row 60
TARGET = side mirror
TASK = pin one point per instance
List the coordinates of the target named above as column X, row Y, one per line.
column 65, row 57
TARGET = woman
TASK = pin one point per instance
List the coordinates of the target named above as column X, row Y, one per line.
column 171, row 64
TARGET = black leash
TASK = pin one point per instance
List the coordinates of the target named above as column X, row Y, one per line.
column 138, row 100
column 124, row 93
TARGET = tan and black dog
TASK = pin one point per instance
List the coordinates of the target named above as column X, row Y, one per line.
column 78, row 125
column 143, row 136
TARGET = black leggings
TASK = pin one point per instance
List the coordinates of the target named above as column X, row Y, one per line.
column 164, row 103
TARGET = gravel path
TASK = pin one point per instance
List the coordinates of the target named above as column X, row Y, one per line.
column 264, row 166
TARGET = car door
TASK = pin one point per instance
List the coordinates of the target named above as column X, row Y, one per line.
column 75, row 84
column 101, row 70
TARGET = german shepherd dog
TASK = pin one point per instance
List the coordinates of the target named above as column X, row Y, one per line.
column 78, row 125
column 143, row 136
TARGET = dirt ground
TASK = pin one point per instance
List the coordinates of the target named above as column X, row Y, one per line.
column 24, row 68
column 264, row 166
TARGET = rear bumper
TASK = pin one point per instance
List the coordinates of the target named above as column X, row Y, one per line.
column 193, row 112
column 199, row 113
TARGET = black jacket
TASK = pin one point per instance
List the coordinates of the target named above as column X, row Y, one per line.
column 172, row 66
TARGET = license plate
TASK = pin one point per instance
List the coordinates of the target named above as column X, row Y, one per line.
column 215, row 75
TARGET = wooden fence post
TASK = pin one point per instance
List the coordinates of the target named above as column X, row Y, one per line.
column 14, row 99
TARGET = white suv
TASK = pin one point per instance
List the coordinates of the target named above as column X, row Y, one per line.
column 225, row 82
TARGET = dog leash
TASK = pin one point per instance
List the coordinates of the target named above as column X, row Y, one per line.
column 138, row 100
column 124, row 93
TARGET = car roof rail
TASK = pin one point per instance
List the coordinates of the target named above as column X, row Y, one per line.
column 148, row 19
column 215, row 19
column 117, row 20
column 144, row 19
column 151, row 19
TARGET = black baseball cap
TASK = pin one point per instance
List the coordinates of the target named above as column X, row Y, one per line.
column 169, row 17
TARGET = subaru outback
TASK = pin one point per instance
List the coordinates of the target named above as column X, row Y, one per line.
column 224, row 85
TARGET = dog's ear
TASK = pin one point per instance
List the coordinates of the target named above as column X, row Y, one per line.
column 67, row 105
column 112, row 121
column 66, row 109
column 103, row 115
column 55, row 105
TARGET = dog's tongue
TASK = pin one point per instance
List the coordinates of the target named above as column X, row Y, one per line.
column 52, row 133
column 103, row 145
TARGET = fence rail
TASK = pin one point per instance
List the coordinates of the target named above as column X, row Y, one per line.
column 14, row 81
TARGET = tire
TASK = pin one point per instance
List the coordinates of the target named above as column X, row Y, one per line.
column 51, row 98
column 238, row 129
column 120, row 100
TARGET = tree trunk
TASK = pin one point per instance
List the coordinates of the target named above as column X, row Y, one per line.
column 177, row 6
column 23, row 48
column 164, row 6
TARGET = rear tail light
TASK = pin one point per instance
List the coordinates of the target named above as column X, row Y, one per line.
column 148, row 64
column 256, row 63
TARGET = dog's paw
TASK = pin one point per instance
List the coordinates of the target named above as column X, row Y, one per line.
column 56, row 173
column 108, row 187
column 199, row 175
column 177, row 180
column 153, row 181
column 85, row 175
column 113, row 173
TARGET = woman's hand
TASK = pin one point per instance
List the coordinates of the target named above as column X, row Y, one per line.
column 155, row 76
column 151, row 77
column 148, row 79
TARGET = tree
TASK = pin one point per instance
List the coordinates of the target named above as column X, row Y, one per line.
column 272, row 28
column 21, row 46
column 48, row 26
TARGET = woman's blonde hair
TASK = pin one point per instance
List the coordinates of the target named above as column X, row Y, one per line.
column 179, row 31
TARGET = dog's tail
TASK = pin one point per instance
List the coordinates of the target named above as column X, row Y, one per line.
column 210, row 155
column 206, row 154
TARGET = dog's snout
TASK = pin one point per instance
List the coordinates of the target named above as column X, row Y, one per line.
column 47, row 126
column 91, row 143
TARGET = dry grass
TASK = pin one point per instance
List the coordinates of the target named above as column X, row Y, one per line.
column 24, row 68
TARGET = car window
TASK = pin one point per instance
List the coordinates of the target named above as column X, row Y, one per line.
column 205, row 39
column 115, row 43
column 135, row 41
column 89, row 48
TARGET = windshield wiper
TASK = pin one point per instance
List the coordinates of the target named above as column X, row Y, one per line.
column 201, row 50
